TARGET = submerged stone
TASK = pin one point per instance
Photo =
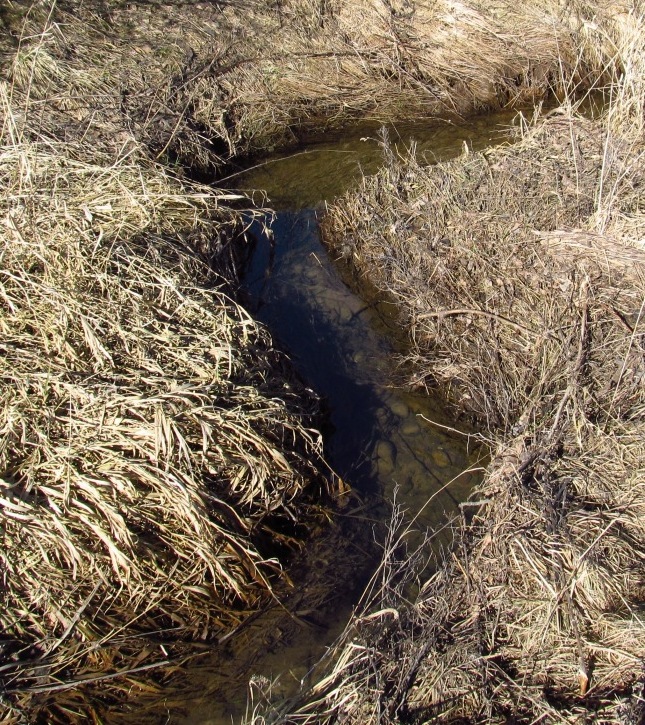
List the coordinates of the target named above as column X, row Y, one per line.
column 398, row 407
column 441, row 458
column 386, row 454
column 410, row 427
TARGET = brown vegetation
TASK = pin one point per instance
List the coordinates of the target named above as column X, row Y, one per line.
column 148, row 443
column 201, row 84
column 151, row 448
column 521, row 274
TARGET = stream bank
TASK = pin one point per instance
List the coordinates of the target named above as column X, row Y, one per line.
column 522, row 283
column 134, row 518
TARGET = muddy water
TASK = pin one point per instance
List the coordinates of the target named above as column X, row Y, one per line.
column 384, row 441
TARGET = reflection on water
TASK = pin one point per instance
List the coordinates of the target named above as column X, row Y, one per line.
column 323, row 171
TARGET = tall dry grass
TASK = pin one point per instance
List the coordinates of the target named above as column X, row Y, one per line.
column 151, row 448
column 334, row 62
column 521, row 274
column 200, row 84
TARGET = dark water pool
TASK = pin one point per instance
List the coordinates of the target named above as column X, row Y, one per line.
column 379, row 437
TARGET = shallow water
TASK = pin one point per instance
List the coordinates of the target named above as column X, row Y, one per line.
column 381, row 439
column 306, row 177
column 388, row 443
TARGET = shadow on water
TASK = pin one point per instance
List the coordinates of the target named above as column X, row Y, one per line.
column 379, row 437
column 291, row 286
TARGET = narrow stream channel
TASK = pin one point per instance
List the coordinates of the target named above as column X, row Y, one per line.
column 382, row 440
column 379, row 437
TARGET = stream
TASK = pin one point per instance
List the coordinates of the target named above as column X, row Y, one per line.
column 386, row 442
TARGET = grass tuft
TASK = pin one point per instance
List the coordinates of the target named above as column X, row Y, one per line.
column 149, row 445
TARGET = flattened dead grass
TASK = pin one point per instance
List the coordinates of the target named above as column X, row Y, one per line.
column 521, row 273
column 149, row 446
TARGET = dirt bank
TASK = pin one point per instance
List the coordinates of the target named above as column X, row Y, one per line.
column 151, row 455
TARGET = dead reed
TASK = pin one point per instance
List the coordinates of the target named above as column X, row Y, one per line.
column 521, row 274
column 334, row 62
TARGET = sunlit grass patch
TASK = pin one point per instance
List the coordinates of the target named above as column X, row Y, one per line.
column 147, row 436
column 521, row 274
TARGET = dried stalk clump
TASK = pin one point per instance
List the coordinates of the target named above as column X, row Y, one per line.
column 335, row 62
column 521, row 274
column 150, row 450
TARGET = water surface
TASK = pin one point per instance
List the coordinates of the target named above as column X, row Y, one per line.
column 380, row 437
column 306, row 177
column 385, row 441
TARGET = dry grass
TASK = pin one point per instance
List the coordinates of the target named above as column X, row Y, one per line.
column 521, row 273
column 200, row 84
column 149, row 442
column 476, row 241
column 334, row 62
